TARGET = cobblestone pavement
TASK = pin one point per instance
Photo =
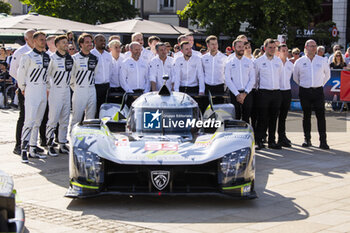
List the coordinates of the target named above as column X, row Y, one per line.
column 300, row 190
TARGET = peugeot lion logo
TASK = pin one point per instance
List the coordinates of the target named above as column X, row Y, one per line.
column 160, row 179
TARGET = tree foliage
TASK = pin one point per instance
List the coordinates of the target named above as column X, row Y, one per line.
column 86, row 11
column 5, row 7
column 266, row 18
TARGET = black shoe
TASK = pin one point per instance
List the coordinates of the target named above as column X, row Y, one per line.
column 324, row 146
column 51, row 151
column 33, row 153
column 24, row 156
column 259, row 146
column 284, row 142
column 307, row 143
column 274, row 145
column 289, row 141
column 63, row 149
column 54, row 144
column 17, row 150
column 39, row 150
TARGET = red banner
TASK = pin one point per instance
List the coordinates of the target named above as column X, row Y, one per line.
column 345, row 86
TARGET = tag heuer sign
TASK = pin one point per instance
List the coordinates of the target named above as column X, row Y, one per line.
column 160, row 179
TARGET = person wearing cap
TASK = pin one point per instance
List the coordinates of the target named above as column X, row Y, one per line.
column 228, row 51
column 104, row 70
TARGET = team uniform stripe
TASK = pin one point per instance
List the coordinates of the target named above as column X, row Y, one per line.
column 63, row 74
column 34, row 75
column 37, row 77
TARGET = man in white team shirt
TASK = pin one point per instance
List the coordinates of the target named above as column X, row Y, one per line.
column 286, row 95
column 104, row 70
column 135, row 73
column 160, row 66
column 116, row 86
column 311, row 73
column 28, row 37
column 213, row 64
column 190, row 39
column 268, row 69
column 189, row 76
column 146, row 54
column 240, row 79
column 50, row 42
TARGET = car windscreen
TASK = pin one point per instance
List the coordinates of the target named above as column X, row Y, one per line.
column 163, row 121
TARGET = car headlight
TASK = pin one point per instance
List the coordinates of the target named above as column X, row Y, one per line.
column 89, row 165
column 232, row 164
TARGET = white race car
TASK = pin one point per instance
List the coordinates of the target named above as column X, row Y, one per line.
column 162, row 145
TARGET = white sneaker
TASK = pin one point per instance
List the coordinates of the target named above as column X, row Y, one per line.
column 34, row 154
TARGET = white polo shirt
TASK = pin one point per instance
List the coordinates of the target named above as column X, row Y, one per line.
column 240, row 75
column 214, row 68
column 268, row 72
column 313, row 73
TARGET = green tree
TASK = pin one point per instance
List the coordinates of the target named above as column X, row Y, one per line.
column 5, row 7
column 86, row 11
column 266, row 18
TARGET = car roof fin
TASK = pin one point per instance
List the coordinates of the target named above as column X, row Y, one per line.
column 164, row 91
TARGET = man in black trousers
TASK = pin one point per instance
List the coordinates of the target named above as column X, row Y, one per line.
column 286, row 95
column 268, row 69
column 311, row 73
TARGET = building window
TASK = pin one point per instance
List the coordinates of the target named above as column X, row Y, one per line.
column 166, row 4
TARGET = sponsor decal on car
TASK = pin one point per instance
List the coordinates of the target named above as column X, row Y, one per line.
column 157, row 120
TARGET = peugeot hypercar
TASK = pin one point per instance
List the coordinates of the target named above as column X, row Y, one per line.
column 162, row 145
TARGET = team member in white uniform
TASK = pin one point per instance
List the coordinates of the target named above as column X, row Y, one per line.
column 188, row 70
column 160, row 66
column 135, row 71
column 28, row 37
column 213, row 64
column 115, row 82
column 59, row 74
column 189, row 76
column 83, row 81
column 32, row 80
column 104, row 71
column 286, row 95
column 311, row 73
column 146, row 54
column 182, row 38
column 240, row 79
column 268, row 69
